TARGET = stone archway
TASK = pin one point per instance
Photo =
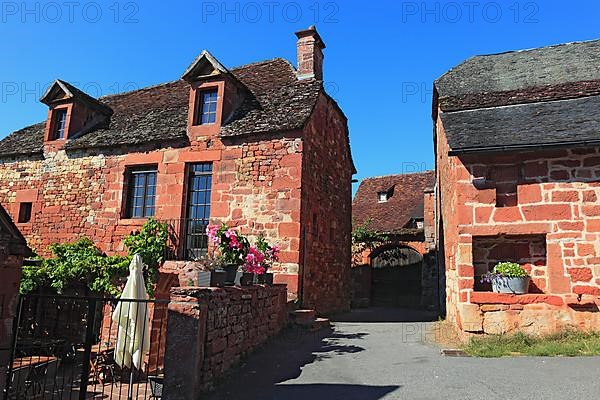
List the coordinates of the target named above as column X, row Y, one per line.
column 396, row 276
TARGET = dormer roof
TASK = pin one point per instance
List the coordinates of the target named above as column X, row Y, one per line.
column 204, row 66
column 61, row 92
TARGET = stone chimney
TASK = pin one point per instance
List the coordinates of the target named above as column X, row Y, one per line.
column 310, row 54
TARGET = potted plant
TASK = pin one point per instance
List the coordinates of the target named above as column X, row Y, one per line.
column 271, row 255
column 212, row 273
column 232, row 246
column 508, row 277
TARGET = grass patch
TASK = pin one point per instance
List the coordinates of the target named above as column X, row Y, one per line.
column 570, row 344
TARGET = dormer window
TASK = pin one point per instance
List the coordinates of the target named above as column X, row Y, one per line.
column 59, row 125
column 382, row 197
column 207, row 107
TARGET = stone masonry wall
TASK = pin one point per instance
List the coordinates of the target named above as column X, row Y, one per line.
column 549, row 196
column 326, row 211
column 256, row 187
column 210, row 329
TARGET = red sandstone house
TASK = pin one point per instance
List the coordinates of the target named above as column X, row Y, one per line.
column 518, row 175
column 261, row 147
column 402, row 271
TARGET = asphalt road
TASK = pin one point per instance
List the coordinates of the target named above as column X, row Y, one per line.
column 364, row 358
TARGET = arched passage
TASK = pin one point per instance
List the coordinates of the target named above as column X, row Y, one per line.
column 396, row 276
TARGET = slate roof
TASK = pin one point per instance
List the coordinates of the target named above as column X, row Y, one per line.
column 522, row 100
column 405, row 203
column 516, row 70
column 11, row 236
column 554, row 123
column 158, row 114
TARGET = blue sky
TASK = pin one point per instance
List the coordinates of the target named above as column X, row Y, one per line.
column 380, row 61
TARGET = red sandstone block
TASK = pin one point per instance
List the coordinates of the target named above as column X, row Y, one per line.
column 592, row 290
column 483, row 214
column 289, row 229
column 589, row 196
column 591, row 162
column 580, row 274
column 536, row 169
column 569, row 196
column 571, row 226
column 529, row 193
column 586, row 249
column 559, row 175
column 547, row 212
column 507, row 214
column 591, row 211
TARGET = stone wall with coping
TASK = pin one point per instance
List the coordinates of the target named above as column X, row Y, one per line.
column 210, row 329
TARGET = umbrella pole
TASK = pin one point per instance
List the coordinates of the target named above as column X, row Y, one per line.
column 130, row 391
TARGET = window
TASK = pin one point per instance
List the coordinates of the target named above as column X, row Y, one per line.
column 198, row 209
column 382, row 197
column 419, row 224
column 59, row 124
column 206, row 113
column 24, row 213
column 141, row 192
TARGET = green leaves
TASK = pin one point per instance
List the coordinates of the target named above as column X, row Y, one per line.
column 77, row 262
column 510, row 270
column 81, row 262
column 363, row 239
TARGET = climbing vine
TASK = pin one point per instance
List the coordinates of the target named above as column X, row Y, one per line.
column 82, row 263
column 365, row 239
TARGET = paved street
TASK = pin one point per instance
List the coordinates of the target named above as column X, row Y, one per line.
column 363, row 358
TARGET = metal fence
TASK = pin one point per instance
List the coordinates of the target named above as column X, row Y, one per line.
column 67, row 347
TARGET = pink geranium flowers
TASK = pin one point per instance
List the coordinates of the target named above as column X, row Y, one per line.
column 236, row 249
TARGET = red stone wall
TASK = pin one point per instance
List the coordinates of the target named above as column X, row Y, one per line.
column 326, row 220
column 256, row 187
column 549, row 196
column 210, row 329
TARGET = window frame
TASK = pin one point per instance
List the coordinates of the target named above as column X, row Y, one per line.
column 200, row 104
column 130, row 190
column 193, row 238
column 385, row 195
column 25, row 212
column 58, row 129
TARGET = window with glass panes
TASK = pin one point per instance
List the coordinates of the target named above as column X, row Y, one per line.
column 141, row 196
column 198, row 209
column 60, row 123
column 207, row 107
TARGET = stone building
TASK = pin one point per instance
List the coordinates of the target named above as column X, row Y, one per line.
column 261, row 147
column 400, row 272
column 12, row 250
column 518, row 174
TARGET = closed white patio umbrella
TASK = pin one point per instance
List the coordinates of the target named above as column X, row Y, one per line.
column 133, row 340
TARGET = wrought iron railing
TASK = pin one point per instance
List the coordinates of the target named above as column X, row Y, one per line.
column 188, row 240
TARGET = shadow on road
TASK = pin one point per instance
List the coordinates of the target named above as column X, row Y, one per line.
column 261, row 375
column 383, row 314
column 331, row 392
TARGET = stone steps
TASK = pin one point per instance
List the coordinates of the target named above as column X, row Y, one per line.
column 307, row 319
